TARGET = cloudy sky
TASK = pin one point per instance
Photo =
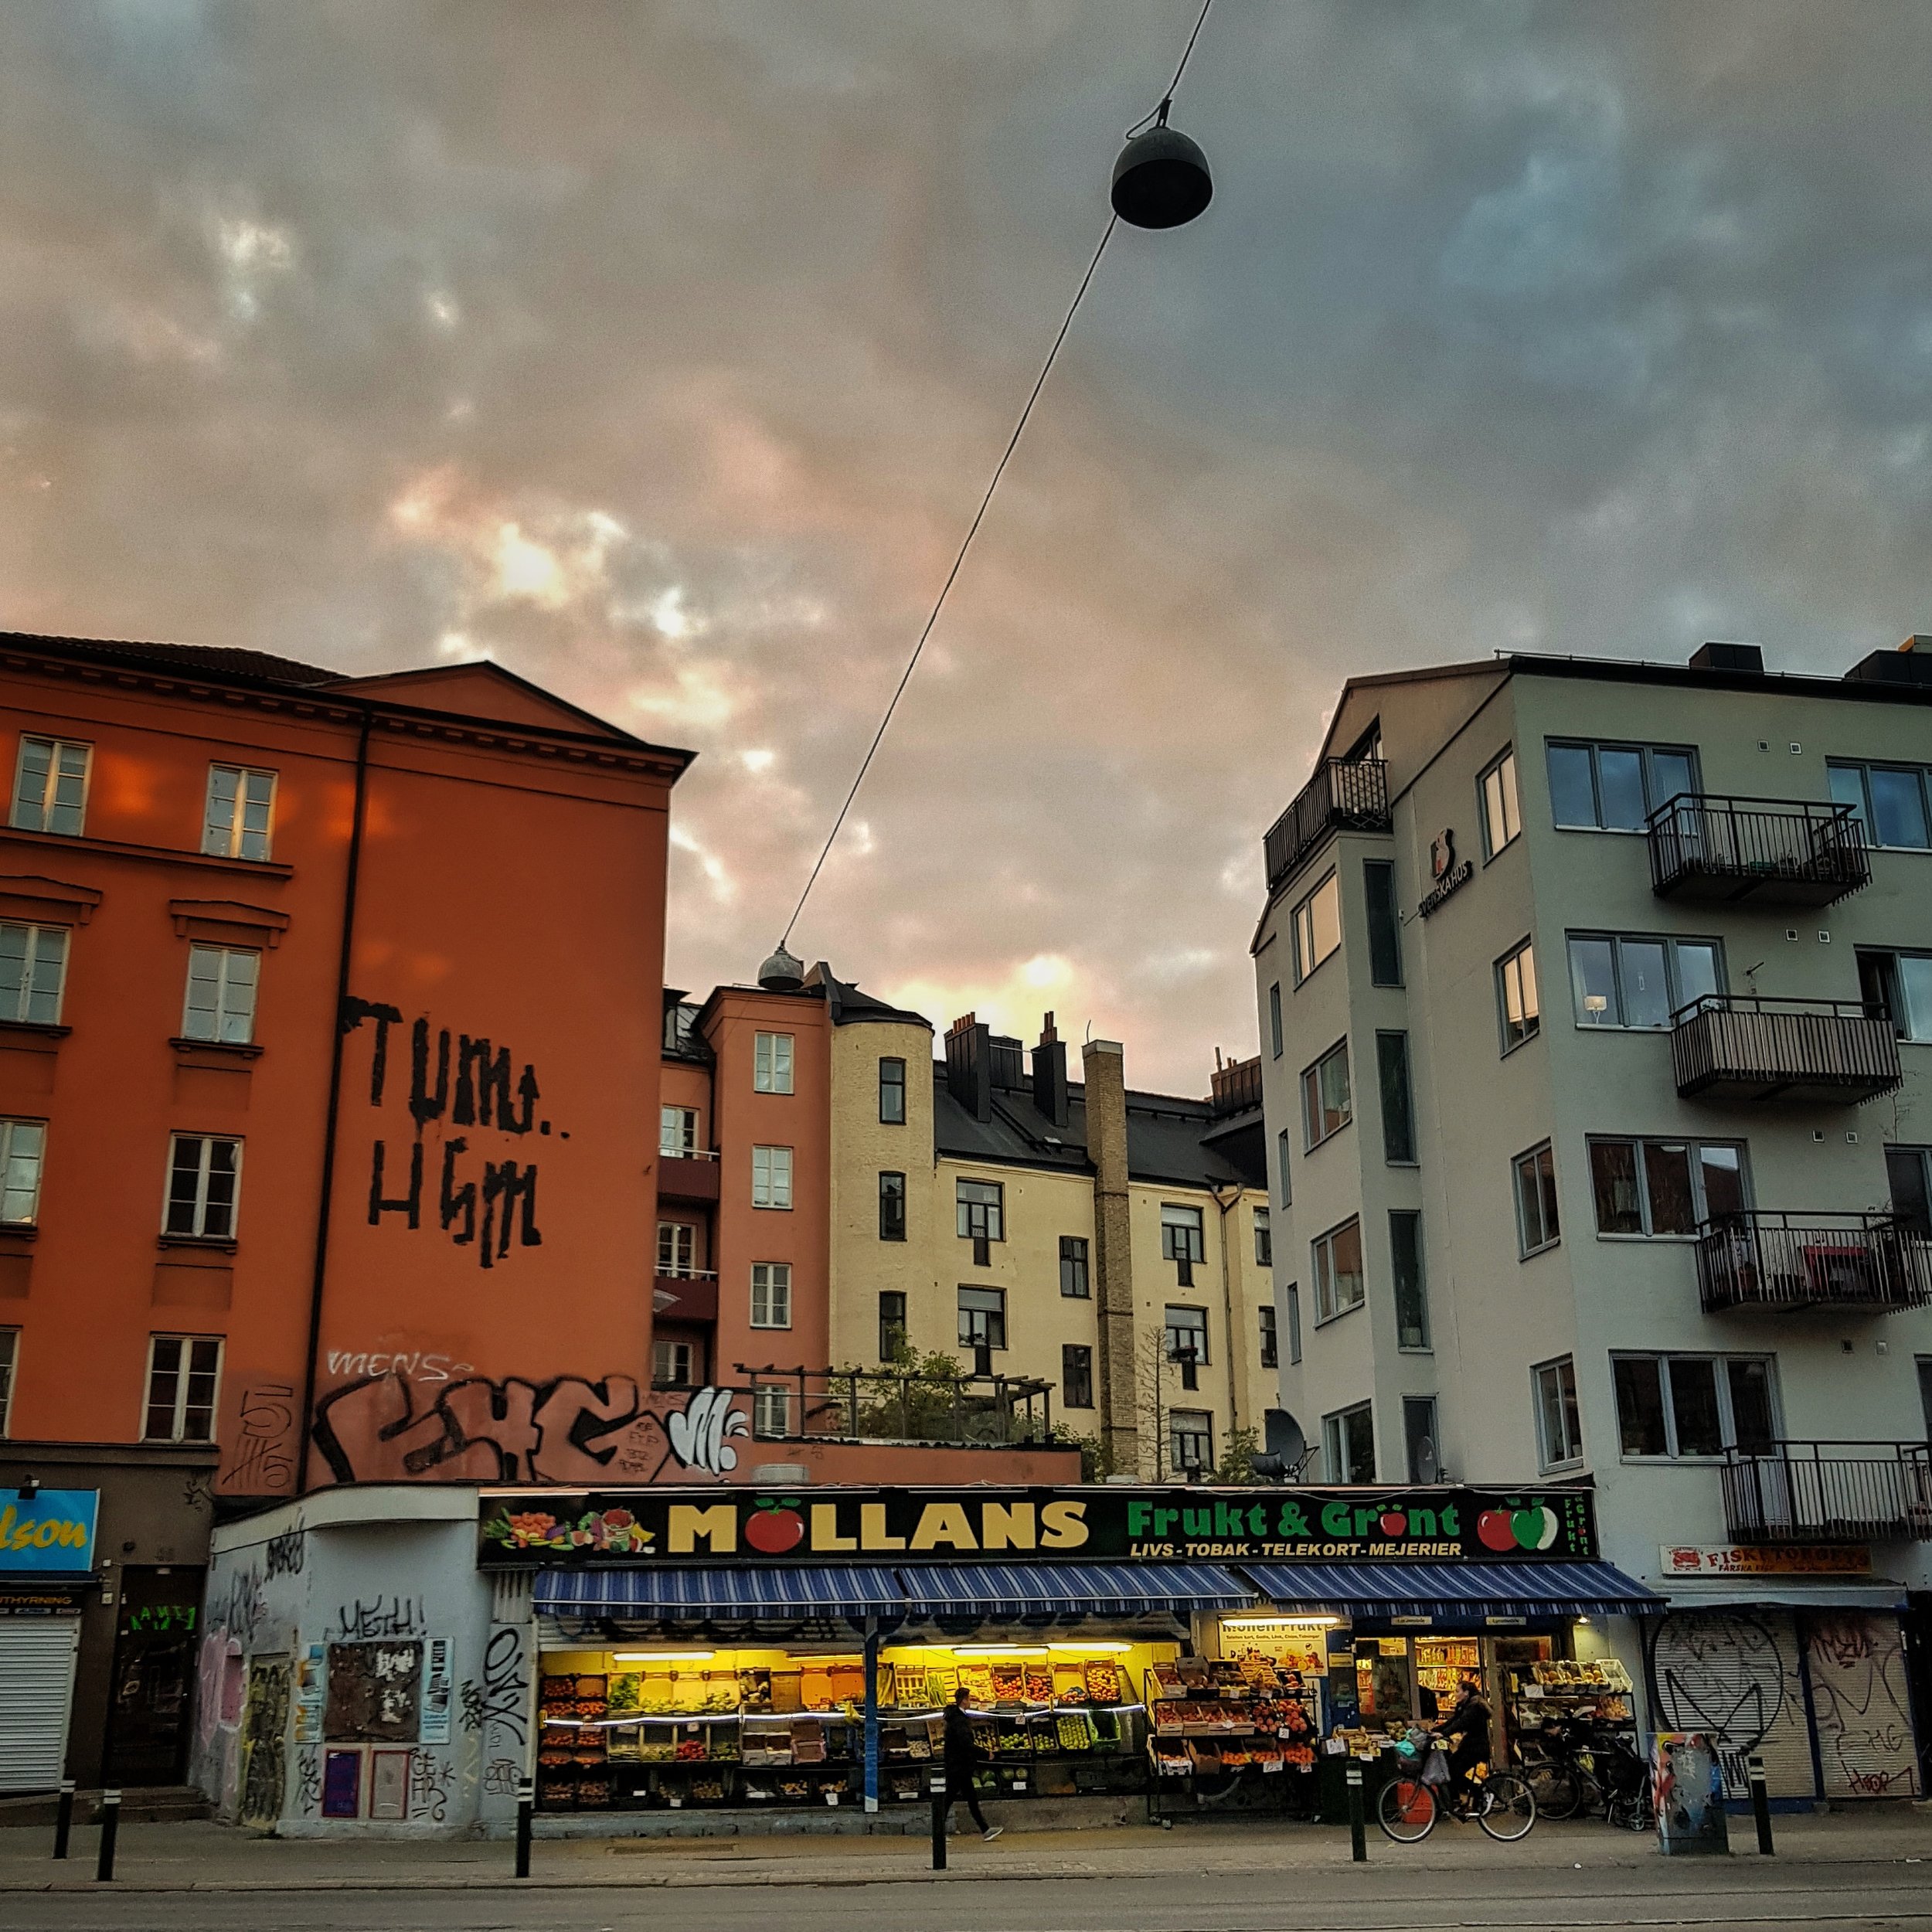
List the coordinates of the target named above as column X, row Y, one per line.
column 662, row 351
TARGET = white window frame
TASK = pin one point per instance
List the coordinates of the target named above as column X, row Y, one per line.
column 1528, row 1162
column 1314, row 1110
column 1516, row 984
column 1557, row 1378
column 771, row 1295
column 771, row 1177
column 770, row 1411
column 204, row 1172
column 9, row 1375
column 13, row 1157
column 1726, row 1419
column 677, row 1133
column 1334, row 1442
column 771, row 1062
column 234, row 1025
column 1321, row 1251
column 1308, row 962
column 1673, row 944
column 665, row 1352
column 1501, row 805
column 37, row 943
column 185, row 1372
column 677, row 1250
column 32, row 815
column 1694, row 1144
column 233, row 840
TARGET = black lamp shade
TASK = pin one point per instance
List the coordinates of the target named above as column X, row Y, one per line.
column 1160, row 180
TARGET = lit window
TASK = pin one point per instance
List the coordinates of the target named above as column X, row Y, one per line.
column 1348, row 1444
column 204, row 1187
column 771, row 1295
column 771, row 1177
column 221, row 994
column 1338, row 1285
column 771, row 1062
column 33, row 969
column 1686, row 1406
column 1317, row 927
column 1535, row 1180
column 1326, row 1105
column 22, row 1143
column 1559, row 1431
column 678, row 1131
column 1501, row 816
column 1521, row 1009
column 1666, row 1187
column 50, row 786
column 241, row 803
column 184, row 1373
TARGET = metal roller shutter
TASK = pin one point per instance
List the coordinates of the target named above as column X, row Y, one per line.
column 1861, row 1704
column 1734, row 1674
column 36, row 1692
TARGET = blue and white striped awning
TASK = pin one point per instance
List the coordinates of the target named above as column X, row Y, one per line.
column 1025, row 1590
column 1454, row 1589
column 643, row 1591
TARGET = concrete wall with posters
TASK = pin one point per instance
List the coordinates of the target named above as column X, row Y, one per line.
column 352, row 1680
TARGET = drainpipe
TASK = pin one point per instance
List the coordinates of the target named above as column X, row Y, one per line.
column 1225, row 1208
column 351, row 880
column 1104, row 1065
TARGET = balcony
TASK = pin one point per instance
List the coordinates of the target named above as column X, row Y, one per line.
column 1778, row 852
column 684, row 1294
column 889, row 1404
column 1344, row 795
column 1830, row 1492
column 1749, row 1046
column 1847, row 1263
column 690, row 1176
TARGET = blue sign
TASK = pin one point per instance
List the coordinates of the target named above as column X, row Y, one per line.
column 47, row 1533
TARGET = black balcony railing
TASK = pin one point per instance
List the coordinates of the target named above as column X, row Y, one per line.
column 891, row 1404
column 1829, row 1492
column 1749, row 1046
column 1842, row 1262
column 1345, row 794
column 1783, row 852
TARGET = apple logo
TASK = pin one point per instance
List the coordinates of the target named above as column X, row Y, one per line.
column 1534, row 1528
column 775, row 1527
column 1495, row 1530
column 1394, row 1523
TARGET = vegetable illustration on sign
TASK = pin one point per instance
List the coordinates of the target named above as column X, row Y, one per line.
column 1510, row 1528
column 775, row 1526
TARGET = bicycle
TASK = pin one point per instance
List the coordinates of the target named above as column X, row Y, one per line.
column 1501, row 1802
column 1560, row 1766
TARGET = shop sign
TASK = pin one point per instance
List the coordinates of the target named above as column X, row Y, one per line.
column 1450, row 874
column 49, row 1531
column 52, row 1601
column 1108, row 1525
column 1742, row 1560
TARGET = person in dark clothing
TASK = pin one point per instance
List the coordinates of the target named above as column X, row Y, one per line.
column 963, row 1755
column 1468, row 1724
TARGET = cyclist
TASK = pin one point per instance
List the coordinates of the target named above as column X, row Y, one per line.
column 1469, row 1725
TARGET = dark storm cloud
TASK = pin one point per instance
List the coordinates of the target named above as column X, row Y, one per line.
column 662, row 351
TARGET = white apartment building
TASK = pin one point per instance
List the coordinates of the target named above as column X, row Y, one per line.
column 1592, row 996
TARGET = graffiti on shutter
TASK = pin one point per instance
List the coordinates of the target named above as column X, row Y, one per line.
column 1857, row 1663
column 1733, row 1674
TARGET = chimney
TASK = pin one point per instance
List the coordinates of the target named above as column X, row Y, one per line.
column 1104, row 1066
column 1911, row 663
column 1746, row 659
column 969, row 1066
column 1050, row 1075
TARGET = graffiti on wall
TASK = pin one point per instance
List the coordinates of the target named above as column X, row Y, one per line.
column 387, row 1428
column 264, row 1734
column 264, row 1458
column 1733, row 1674
column 1861, row 1707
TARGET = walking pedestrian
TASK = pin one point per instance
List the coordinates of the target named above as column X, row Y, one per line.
column 963, row 1755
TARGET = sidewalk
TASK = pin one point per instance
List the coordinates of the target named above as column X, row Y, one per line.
column 202, row 1857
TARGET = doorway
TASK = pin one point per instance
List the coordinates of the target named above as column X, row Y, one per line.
column 153, row 1677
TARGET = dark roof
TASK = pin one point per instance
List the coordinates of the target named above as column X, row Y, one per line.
column 219, row 659
column 849, row 1006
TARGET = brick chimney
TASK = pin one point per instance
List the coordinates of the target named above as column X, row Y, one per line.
column 969, row 1066
column 1050, row 1075
column 1104, row 1066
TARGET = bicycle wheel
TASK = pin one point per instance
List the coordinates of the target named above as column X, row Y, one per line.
column 1406, row 1809
column 1558, row 1789
column 1506, row 1806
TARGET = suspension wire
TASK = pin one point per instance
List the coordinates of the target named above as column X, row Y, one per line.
column 979, row 515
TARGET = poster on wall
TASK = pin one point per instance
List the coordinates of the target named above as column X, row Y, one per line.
column 1288, row 1645
column 311, row 1673
column 341, row 1783
column 389, row 1784
column 438, row 1690
column 374, row 1692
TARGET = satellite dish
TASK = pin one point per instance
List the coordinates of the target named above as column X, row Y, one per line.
column 1287, row 1448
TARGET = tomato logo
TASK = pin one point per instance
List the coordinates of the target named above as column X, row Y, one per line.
column 775, row 1526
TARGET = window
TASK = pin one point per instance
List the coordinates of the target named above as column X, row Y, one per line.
column 1615, row 787
column 982, row 1216
column 204, row 1184
column 770, row 1412
column 50, row 786
column 1623, row 979
column 1535, row 1174
column 982, row 1317
column 1073, row 1276
column 1516, row 996
column 892, row 1207
column 1348, row 1444
column 771, row 1295
column 1076, row 1375
column 221, row 995
column 1385, row 924
column 183, row 1373
column 1190, row 1435
column 1694, row 1405
column 9, row 1357
column 1405, row 1267
column 1317, row 927
column 1264, row 1239
column 1502, row 815
column 677, row 1247
column 1419, row 1438
column 771, row 1062
column 1274, row 1018
column 1181, row 1242
column 771, row 1177
column 1291, row 1299
column 892, row 1324
column 1337, row 1271
column 1665, row 1187
column 1186, row 1340
column 1560, row 1433
column 678, row 1131
column 240, row 803
column 1889, row 800
column 1288, row 1186
column 22, row 1143
column 1326, row 1108
column 672, row 1364
column 33, row 969
column 1270, row 1347
column 1898, row 987
column 891, row 1092
column 1909, row 1171
column 1398, row 1105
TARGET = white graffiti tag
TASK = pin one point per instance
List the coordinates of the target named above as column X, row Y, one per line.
column 700, row 1437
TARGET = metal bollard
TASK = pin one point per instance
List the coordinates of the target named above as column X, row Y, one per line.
column 63, row 1818
column 1357, row 1838
column 526, row 1804
column 1760, row 1802
column 110, row 1829
column 939, row 1822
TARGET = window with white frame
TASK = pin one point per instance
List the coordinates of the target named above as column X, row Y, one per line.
column 1191, row 1439
column 23, row 1144
column 770, row 1412
column 1695, row 1406
column 1182, row 1240
column 220, row 1004
column 771, row 1062
column 1559, row 1430
column 1666, row 1187
column 1317, row 927
column 1348, row 1444
column 1326, row 1106
column 1502, row 814
column 241, row 809
column 33, row 971
column 982, row 1317
column 1615, row 787
column 1889, row 801
column 771, row 1177
column 184, row 1379
column 1338, row 1283
column 677, row 1132
column 9, row 1361
column 1263, row 1239
column 50, row 786
column 204, row 1187
column 1534, row 1174
column 1518, row 1005
column 771, row 1295
column 677, row 1248
column 1637, row 980
column 673, row 1364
